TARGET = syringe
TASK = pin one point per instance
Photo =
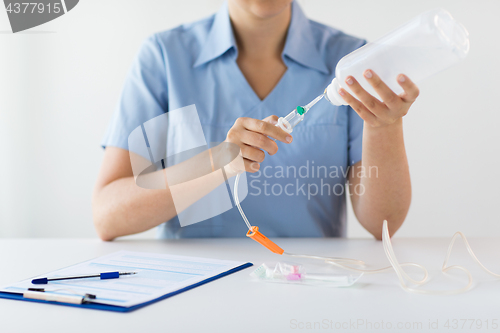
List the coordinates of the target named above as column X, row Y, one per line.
column 292, row 119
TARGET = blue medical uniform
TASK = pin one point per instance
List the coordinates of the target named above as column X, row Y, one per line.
column 300, row 191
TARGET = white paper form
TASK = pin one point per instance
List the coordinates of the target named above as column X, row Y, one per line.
column 157, row 275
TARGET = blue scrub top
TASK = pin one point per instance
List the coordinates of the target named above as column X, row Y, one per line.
column 298, row 192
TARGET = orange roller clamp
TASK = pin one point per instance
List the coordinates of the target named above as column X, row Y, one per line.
column 254, row 234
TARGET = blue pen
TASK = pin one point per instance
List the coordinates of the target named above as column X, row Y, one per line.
column 102, row 276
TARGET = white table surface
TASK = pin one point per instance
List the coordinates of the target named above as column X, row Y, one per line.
column 238, row 303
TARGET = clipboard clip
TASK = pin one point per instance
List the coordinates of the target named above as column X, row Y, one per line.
column 40, row 294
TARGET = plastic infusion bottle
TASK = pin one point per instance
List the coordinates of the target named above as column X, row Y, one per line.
column 428, row 44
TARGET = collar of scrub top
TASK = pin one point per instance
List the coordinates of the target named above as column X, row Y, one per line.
column 299, row 46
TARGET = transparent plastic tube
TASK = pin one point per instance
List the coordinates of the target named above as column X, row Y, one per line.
column 237, row 201
column 428, row 44
column 403, row 277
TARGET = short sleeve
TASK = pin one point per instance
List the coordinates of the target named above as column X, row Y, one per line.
column 355, row 136
column 143, row 97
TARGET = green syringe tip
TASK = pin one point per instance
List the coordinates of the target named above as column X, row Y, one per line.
column 300, row 110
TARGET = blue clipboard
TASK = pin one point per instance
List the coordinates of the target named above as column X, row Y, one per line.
column 115, row 308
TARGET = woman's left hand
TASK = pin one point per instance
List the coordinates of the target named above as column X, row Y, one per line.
column 374, row 112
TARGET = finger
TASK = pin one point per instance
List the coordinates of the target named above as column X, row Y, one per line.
column 371, row 103
column 259, row 141
column 411, row 90
column 359, row 107
column 392, row 100
column 251, row 166
column 266, row 129
column 273, row 120
column 252, row 153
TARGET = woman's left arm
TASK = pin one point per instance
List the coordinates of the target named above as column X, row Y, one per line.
column 380, row 183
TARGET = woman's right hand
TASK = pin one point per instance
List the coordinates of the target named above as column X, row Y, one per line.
column 253, row 136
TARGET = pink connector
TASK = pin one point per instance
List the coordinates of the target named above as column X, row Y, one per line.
column 294, row 276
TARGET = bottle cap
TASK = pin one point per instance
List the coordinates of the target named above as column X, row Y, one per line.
column 332, row 93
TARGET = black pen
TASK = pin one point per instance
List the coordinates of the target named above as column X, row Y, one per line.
column 102, row 276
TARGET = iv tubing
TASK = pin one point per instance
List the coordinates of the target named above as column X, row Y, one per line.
column 402, row 275
column 391, row 256
column 237, row 201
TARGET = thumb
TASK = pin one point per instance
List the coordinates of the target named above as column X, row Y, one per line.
column 271, row 119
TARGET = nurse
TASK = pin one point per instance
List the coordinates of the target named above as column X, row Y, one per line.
column 241, row 67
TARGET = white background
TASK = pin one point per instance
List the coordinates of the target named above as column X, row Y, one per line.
column 59, row 84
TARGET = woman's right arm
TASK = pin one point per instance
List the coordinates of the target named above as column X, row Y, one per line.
column 120, row 207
